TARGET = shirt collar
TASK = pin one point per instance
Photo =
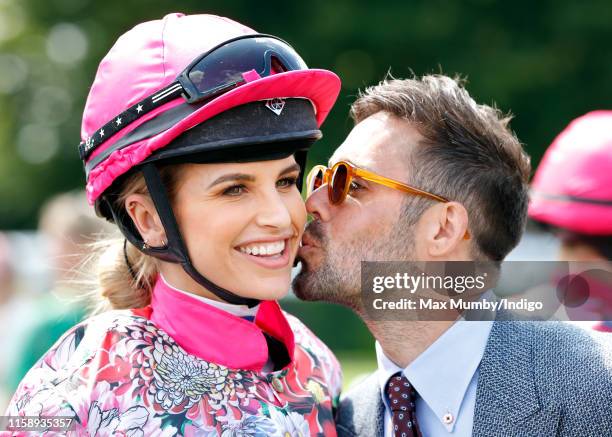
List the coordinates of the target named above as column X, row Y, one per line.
column 238, row 310
column 215, row 334
column 442, row 373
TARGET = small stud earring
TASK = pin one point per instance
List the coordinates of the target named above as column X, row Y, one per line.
column 145, row 245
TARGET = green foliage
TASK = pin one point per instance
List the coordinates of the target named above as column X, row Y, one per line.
column 337, row 326
column 546, row 61
column 342, row 331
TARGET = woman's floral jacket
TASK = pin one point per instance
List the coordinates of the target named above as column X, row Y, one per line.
column 180, row 367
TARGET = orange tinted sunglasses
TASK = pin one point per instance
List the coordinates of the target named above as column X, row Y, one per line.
column 339, row 178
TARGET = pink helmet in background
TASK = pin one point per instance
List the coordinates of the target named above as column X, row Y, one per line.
column 572, row 186
column 148, row 58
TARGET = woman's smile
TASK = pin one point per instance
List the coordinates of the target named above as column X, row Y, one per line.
column 272, row 254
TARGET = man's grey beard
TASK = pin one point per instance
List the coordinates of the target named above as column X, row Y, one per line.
column 338, row 278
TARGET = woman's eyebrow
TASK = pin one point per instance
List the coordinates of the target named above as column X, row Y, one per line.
column 248, row 177
column 290, row 169
column 232, row 177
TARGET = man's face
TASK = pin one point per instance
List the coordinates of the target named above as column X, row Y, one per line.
column 368, row 225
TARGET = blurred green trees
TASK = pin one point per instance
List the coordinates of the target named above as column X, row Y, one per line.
column 546, row 61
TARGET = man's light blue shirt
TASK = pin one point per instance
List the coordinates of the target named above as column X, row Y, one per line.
column 445, row 377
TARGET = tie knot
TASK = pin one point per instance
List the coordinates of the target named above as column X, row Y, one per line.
column 401, row 394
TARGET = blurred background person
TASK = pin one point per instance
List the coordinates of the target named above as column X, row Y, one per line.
column 571, row 196
column 68, row 229
column 6, row 272
column 7, row 312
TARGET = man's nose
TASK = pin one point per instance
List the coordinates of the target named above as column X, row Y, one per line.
column 318, row 204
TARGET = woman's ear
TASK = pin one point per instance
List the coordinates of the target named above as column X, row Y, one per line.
column 142, row 211
column 451, row 219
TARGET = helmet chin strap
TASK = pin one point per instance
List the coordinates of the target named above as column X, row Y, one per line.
column 176, row 250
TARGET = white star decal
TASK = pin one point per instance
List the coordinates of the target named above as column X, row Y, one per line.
column 118, row 121
column 101, row 133
column 139, row 108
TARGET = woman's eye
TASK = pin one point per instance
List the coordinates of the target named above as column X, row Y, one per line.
column 287, row 182
column 234, row 190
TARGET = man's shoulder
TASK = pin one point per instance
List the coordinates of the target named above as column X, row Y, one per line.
column 562, row 354
column 571, row 337
column 553, row 378
column 577, row 354
column 360, row 409
column 555, row 342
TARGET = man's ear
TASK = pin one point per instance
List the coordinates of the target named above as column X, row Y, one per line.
column 446, row 230
column 142, row 211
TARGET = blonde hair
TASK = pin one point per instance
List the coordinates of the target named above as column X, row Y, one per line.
column 123, row 277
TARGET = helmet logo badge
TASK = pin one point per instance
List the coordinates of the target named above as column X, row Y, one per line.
column 275, row 105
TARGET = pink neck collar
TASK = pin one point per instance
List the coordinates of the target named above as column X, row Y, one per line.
column 216, row 335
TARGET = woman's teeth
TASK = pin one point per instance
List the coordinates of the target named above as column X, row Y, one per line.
column 263, row 249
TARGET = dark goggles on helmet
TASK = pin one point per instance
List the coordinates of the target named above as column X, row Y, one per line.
column 215, row 72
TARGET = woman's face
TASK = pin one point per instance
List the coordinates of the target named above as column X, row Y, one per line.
column 242, row 224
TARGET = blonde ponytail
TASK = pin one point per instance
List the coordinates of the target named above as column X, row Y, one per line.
column 115, row 284
column 123, row 277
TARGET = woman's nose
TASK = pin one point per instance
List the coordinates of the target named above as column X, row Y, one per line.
column 274, row 211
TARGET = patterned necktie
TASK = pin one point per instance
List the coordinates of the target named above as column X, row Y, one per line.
column 402, row 403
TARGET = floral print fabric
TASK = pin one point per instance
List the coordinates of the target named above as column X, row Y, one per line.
column 118, row 374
